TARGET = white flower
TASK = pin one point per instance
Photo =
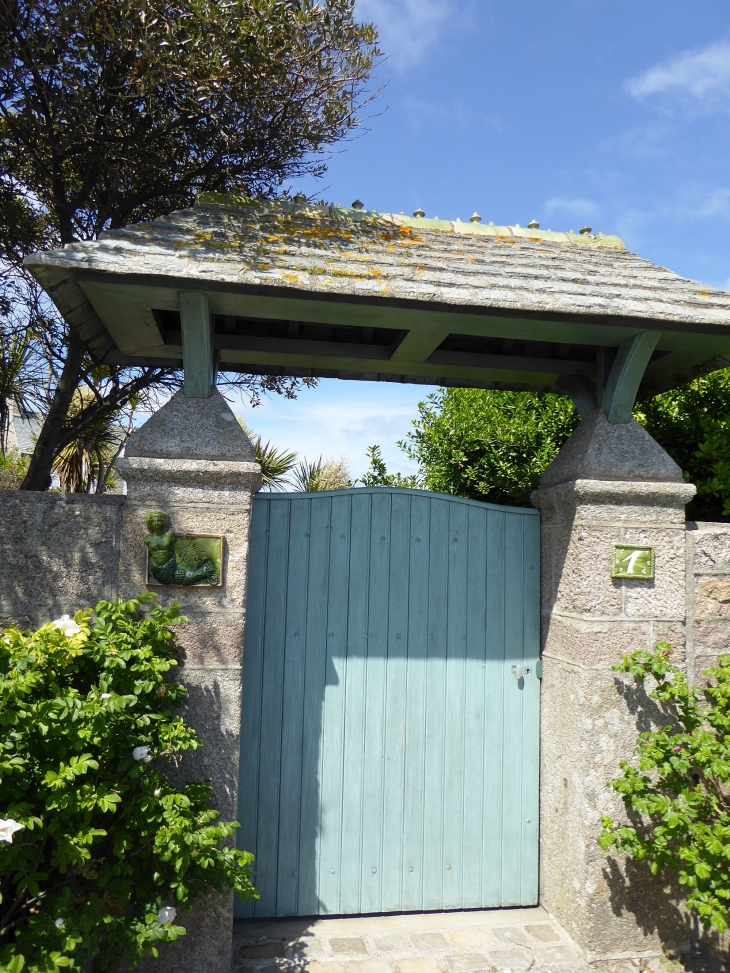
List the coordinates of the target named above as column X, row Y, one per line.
column 59, row 923
column 8, row 828
column 105, row 696
column 67, row 625
column 142, row 753
column 167, row 914
column 158, row 792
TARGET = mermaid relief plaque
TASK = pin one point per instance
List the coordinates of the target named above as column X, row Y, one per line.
column 181, row 559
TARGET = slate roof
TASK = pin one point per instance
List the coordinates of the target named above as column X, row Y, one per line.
column 337, row 250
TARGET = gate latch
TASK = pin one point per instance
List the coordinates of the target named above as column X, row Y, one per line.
column 519, row 672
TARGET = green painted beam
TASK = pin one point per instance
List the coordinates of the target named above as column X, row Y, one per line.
column 419, row 344
column 626, row 374
column 197, row 343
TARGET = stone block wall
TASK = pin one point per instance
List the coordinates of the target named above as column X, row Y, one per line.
column 58, row 552
column 708, row 595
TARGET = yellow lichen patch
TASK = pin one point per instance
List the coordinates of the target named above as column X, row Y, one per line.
column 703, row 293
column 263, row 266
column 292, row 278
column 203, row 235
column 180, row 244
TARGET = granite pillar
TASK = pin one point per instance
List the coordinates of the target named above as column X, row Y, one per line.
column 193, row 461
column 610, row 484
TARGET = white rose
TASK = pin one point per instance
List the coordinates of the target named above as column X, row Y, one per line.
column 8, row 828
column 167, row 914
column 59, row 923
column 142, row 753
column 105, row 696
column 67, row 625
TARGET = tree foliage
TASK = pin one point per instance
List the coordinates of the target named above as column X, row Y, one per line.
column 377, row 472
column 693, row 424
column 87, row 729
column 677, row 793
column 494, row 446
column 490, row 446
column 115, row 111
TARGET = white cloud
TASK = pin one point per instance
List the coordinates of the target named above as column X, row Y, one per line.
column 698, row 77
column 407, row 28
column 340, row 418
column 581, row 209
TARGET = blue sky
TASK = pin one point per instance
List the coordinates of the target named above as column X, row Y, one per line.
column 605, row 112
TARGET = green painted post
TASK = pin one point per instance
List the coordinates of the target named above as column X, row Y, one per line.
column 626, row 374
column 197, row 342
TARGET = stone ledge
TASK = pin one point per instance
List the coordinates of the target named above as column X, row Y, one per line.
column 190, row 472
column 646, row 493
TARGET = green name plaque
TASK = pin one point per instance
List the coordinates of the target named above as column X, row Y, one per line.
column 632, row 562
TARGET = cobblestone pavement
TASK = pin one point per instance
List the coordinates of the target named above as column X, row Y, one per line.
column 449, row 942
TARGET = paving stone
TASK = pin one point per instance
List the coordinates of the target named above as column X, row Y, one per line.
column 262, row 950
column 471, row 938
column 348, row 945
column 395, row 943
column 369, row 966
column 511, row 959
column 325, row 968
column 551, row 955
column 310, row 948
column 465, row 962
column 511, row 934
column 421, row 964
column 428, row 940
column 544, row 933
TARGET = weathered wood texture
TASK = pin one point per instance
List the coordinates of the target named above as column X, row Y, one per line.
column 389, row 754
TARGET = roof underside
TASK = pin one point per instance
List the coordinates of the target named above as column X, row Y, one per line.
column 329, row 291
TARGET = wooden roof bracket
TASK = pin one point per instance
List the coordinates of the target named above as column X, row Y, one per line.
column 626, row 373
column 618, row 393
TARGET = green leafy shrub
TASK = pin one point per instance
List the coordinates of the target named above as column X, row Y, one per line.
column 377, row 473
column 97, row 849
column 692, row 423
column 677, row 796
column 12, row 470
column 488, row 445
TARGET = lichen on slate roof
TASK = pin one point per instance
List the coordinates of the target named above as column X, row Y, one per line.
column 334, row 250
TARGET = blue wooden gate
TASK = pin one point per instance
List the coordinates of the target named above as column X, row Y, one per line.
column 389, row 749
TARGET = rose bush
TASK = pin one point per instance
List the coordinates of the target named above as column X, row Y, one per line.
column 99, row 853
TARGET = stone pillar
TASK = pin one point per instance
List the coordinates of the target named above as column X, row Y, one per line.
column 610, row 483
column 193, row 461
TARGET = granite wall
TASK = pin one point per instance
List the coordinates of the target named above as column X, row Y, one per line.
column 58, row 552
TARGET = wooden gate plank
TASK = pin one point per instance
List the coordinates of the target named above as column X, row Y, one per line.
column 457, row 666
column 357, row 647
column 394, row 751
column 414, row 860
column 494, row 710
column 332, row 783
column 435, row 708
column 373, row 750
column 474, row 709
column 314, row 682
